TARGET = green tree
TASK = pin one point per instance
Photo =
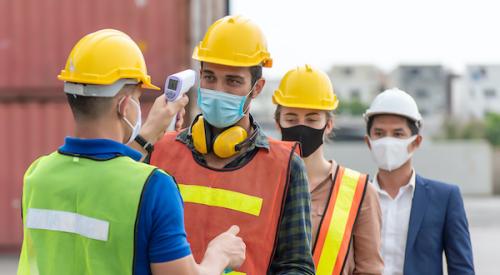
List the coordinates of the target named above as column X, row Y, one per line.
column 358, row 108
column 354, row 108
column 488, row 129
column 492, row 128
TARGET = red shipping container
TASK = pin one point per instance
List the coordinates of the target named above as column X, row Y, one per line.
column 35, row 40
column 37, row 36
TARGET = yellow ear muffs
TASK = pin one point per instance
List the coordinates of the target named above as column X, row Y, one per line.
column 199, row 134
column 225, row 144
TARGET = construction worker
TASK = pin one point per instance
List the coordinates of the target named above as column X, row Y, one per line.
column 422, row 218
column 346, row 217
column 228, row 171
column 91, row 207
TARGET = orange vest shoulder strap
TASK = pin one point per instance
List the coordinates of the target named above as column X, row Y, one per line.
column 166, row 148
column 286, row 145
column 332, row 244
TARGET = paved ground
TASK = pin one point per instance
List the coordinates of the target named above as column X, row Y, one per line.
column 484, row 218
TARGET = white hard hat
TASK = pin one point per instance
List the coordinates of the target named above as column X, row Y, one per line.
column 397, row 102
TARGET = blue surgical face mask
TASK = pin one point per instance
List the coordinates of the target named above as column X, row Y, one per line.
column 221, row 109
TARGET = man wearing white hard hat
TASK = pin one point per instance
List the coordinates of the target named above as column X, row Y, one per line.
column 422, row 218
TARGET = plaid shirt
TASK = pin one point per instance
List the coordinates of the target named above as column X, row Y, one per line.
column 293, row 252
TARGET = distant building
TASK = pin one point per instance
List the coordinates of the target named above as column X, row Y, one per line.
column 430, row 87
column 357, row 82
column 482, row 90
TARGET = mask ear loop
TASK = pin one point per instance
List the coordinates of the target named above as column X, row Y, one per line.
column 246, row 98
column 123, row 115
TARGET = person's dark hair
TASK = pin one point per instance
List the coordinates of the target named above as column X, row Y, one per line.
column 255, row 72
column 90, row 107
column 414, row 128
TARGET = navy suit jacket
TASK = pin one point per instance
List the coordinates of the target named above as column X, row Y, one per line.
column 437, row 224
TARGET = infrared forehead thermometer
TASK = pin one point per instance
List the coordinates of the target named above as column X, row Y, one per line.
column 178, row 84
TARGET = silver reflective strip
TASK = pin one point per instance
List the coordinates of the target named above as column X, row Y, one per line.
column 97, row 90
column 67, row 222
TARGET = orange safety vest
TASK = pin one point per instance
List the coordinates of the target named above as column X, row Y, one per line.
column 251, row 196
column 335, row 230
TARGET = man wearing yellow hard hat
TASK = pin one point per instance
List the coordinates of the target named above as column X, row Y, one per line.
column 91, row 207
column 228, row 171
column 346, row 216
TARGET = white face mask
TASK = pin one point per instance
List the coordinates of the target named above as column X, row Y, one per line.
column 137, row 127
column 391, row 153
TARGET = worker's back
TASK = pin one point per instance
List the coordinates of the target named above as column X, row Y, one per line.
column 78, row 211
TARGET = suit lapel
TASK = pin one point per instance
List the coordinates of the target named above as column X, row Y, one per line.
column 418, row 208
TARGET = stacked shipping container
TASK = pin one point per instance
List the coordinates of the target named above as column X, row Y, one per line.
column 35, row 39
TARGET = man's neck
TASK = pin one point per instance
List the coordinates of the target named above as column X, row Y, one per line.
column 318, row 168
column 392, row 181
column 219, row 163
column 99, row 130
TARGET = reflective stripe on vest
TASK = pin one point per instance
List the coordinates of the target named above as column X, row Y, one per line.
column 221, row 198
column 335, row 230
column 70, row 222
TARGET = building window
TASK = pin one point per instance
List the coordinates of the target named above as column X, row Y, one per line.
column 421, row 93
column 414, row 71
column 355, row 95
column 478, row 74
column 347, row 71
column 490, row 93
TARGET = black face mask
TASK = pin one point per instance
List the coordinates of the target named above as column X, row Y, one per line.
column 310, row 139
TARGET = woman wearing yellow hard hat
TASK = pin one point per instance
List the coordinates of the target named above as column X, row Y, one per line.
column 346, row 216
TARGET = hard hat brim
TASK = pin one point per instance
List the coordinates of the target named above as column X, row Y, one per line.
column 368, row 115
column 277, row 101
column 150, row 86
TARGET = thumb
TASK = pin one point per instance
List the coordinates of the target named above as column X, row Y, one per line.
column 234, row 230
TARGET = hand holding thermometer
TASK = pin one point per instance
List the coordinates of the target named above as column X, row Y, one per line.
column 176, row 86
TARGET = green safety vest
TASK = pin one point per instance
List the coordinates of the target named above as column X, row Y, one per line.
column 80, row 214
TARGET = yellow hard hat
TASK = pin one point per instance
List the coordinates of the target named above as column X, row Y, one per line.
column 306, row 87
column 234, row 41
column 103, row 57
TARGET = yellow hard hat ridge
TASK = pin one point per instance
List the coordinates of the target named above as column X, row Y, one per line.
column 306, row 87
column 234, row 41
column 104, row 57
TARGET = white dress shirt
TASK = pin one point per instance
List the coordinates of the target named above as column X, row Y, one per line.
column 395, row 221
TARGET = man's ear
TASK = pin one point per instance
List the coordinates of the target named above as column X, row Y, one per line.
column 123, row 105
column 367, row 141
column 416, row 143
column 259, row 86
column 330, row 123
